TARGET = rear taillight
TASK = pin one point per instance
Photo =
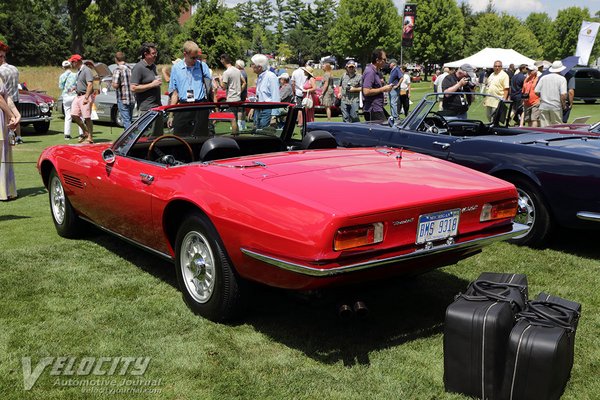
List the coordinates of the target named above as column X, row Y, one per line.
column 357, row 236
column 500, row 210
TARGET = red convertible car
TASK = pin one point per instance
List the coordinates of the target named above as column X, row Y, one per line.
column 266, row 202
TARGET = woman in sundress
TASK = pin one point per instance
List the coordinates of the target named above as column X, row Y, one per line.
column 9, row 119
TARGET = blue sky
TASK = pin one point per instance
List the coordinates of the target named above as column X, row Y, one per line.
column 518, row 8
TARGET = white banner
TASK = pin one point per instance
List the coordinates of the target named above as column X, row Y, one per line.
column 587, row 35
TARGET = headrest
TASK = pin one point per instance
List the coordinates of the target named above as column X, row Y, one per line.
column 217, row 148
column 318, row 140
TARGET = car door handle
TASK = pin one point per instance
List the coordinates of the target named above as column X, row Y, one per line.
column 147, row 178
column 443, row 145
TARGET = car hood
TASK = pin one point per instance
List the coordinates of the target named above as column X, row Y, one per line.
column 33, row 97
column 574, row 143
column 363, row 180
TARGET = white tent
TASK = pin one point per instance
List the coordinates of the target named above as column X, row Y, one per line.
column 486, row 57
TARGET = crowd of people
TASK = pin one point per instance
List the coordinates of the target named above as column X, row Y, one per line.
column 541, row 96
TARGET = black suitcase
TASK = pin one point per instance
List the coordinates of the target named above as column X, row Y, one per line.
column 476, row 331
column 541, row 349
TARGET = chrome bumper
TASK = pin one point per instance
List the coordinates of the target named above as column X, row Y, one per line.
column 588, row 216
column 517, row 229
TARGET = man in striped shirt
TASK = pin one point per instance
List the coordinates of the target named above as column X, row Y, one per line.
column 121, row 82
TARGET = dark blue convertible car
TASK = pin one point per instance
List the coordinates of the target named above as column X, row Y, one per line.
column 557, row 175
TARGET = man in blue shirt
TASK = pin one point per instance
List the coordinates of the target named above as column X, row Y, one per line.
column 188, row 85
column 267, row 89
column 373, row 87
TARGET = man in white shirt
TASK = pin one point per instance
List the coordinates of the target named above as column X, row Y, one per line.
column 298, row 80
column 552, row 89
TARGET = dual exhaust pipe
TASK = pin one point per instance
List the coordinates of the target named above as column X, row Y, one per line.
column 359, row 310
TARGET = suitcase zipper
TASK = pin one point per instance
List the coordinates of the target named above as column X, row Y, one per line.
column 483, row 350
column 512, row 384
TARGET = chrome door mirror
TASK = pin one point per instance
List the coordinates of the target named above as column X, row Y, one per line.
column 108, row 156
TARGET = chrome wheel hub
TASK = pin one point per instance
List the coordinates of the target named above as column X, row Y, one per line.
column 525, row 211
column 57, row 200
column 197, row 266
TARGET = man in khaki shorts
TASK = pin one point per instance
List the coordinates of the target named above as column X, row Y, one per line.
column 81, row 109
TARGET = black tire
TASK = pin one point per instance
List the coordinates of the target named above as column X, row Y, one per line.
column 198, row 244
column 591, row 101
column 116, row 117
column 41, row 127
column 66, row 221
column 533, row 211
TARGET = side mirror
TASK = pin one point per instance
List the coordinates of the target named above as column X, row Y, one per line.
column 108, row 156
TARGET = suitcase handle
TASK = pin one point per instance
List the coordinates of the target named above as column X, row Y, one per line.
column 478, row 286
column 538, row 311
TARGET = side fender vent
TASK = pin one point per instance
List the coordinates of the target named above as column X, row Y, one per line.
column 73, row 181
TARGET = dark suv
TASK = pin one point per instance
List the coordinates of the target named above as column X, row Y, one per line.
column 587, row 84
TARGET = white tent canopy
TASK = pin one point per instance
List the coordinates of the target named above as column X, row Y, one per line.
column 486, row 57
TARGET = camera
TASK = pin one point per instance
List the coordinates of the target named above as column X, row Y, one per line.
column 468, row 79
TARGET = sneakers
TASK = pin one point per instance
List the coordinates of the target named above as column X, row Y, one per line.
column 19, row 140
column 67, row 137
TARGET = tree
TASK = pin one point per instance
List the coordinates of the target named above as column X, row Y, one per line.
column 324, row 18
column 363, row 26
column 264, row 13
column 213, row 27
column 162, row 12
column 292, row 18
column 246, row 18
column 37, row 32
column 563, row 36
column 505, row 32
column 439, row 32
column 540, row 25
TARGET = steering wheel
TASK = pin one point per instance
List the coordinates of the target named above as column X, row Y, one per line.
column 161, row 154
column 434, row 123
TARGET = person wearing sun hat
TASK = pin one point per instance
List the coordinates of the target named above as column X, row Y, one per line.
column 67, row 84
column 552, row 89
column 309, row 87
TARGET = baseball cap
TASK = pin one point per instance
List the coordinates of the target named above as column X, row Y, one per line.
column 66, row 64
column 285, row 75
column 75, row 58
column 532, row 67
column 351, row 63
column 468, row 68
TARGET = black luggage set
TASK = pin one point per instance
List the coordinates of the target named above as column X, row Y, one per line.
column 498, row 345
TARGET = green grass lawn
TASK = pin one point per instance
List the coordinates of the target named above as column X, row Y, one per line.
column 100, row 297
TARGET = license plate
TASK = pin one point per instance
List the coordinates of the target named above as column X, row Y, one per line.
column 437, row 226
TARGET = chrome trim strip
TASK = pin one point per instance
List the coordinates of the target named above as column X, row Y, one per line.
column 131, row 241
column 589, row 216
column 517, row 229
